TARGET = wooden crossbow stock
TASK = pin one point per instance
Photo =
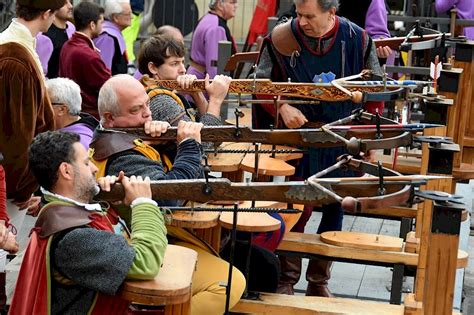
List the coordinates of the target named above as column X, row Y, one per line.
column 355, row 194
column 368, row 132
column 375, row 91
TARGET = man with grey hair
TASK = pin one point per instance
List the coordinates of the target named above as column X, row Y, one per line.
column 118, row 16
column 211, row 29
column 317, row 46
column 123, row 102
column 66, row 99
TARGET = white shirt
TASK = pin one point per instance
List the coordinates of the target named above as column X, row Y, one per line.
column 87, row 206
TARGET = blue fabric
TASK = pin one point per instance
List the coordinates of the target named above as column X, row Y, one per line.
column 137, row 5
column 323, row 68
column 270, row 240
column 310, row 65
column 332, row 217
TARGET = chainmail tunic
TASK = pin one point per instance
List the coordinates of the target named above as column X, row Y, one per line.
column 105, row 273
column 164, row 108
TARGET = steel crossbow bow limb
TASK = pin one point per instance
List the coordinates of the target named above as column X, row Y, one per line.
column 365, row 132
column 355, row 194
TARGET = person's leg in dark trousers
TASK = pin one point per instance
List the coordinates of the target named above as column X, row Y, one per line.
column 290, row 265
column 319, row 270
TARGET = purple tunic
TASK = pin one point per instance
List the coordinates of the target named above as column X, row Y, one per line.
column 105, row 42
column 84, row 127
column 138, row 75
column 376, row 20
column 83, row 131
column 44, row 48
column 204, row 46
column 465, row 11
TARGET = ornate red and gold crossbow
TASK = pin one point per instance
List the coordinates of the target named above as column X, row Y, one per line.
column 336, row 91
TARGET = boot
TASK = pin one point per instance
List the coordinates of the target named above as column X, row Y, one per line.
column 318, row 274
column 290, row 274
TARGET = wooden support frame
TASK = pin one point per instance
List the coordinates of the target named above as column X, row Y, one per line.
column 434, row 288
column 171, row 287
column 310, row 245
column 438, row 264
column 460, row 115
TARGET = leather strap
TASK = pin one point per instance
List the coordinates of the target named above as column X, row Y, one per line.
column 284, row 40
column 57, row 218
column 107, row 144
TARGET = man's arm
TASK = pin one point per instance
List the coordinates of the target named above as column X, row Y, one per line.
column 165, row 108
column 377, row 27
column 265, row 64
column 373, row 64
column 44, row 48
column 187, row 164
column 444, row 5
column 372, row 61
column 376, row 20
column 101, row 260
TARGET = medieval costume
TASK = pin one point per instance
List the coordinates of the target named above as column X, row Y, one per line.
column 75, row 263
column 26, row 111
column 465, row 10
column 288, row 54
column 81, row 62
column 84, row 127
column 115, row 152
column 166, row 105
column 205, row 43
column 113, row 50
column 49, row 47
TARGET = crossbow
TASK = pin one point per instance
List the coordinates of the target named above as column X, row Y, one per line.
column 355, row 194
column 409, row 42
column 327, row 92
column 366, row 132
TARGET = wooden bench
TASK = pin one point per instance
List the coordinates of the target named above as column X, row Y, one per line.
column 293, row 304
column 311, row 244
column 171, row 287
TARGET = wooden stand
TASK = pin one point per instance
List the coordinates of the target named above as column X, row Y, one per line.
column 250, row 222
column 229, row 163
column 171, row 287
column 363, row 241
column 461, row 114
column 438, row 262
column 436, row 273
column 305, row 305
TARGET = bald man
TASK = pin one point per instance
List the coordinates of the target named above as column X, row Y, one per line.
column 123, row 102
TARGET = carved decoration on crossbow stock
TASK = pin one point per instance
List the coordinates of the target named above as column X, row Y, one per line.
column 338, row 133
column 316, row 91
column 355, row 194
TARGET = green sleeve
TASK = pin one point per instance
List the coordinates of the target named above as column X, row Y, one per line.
column 148, row 240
